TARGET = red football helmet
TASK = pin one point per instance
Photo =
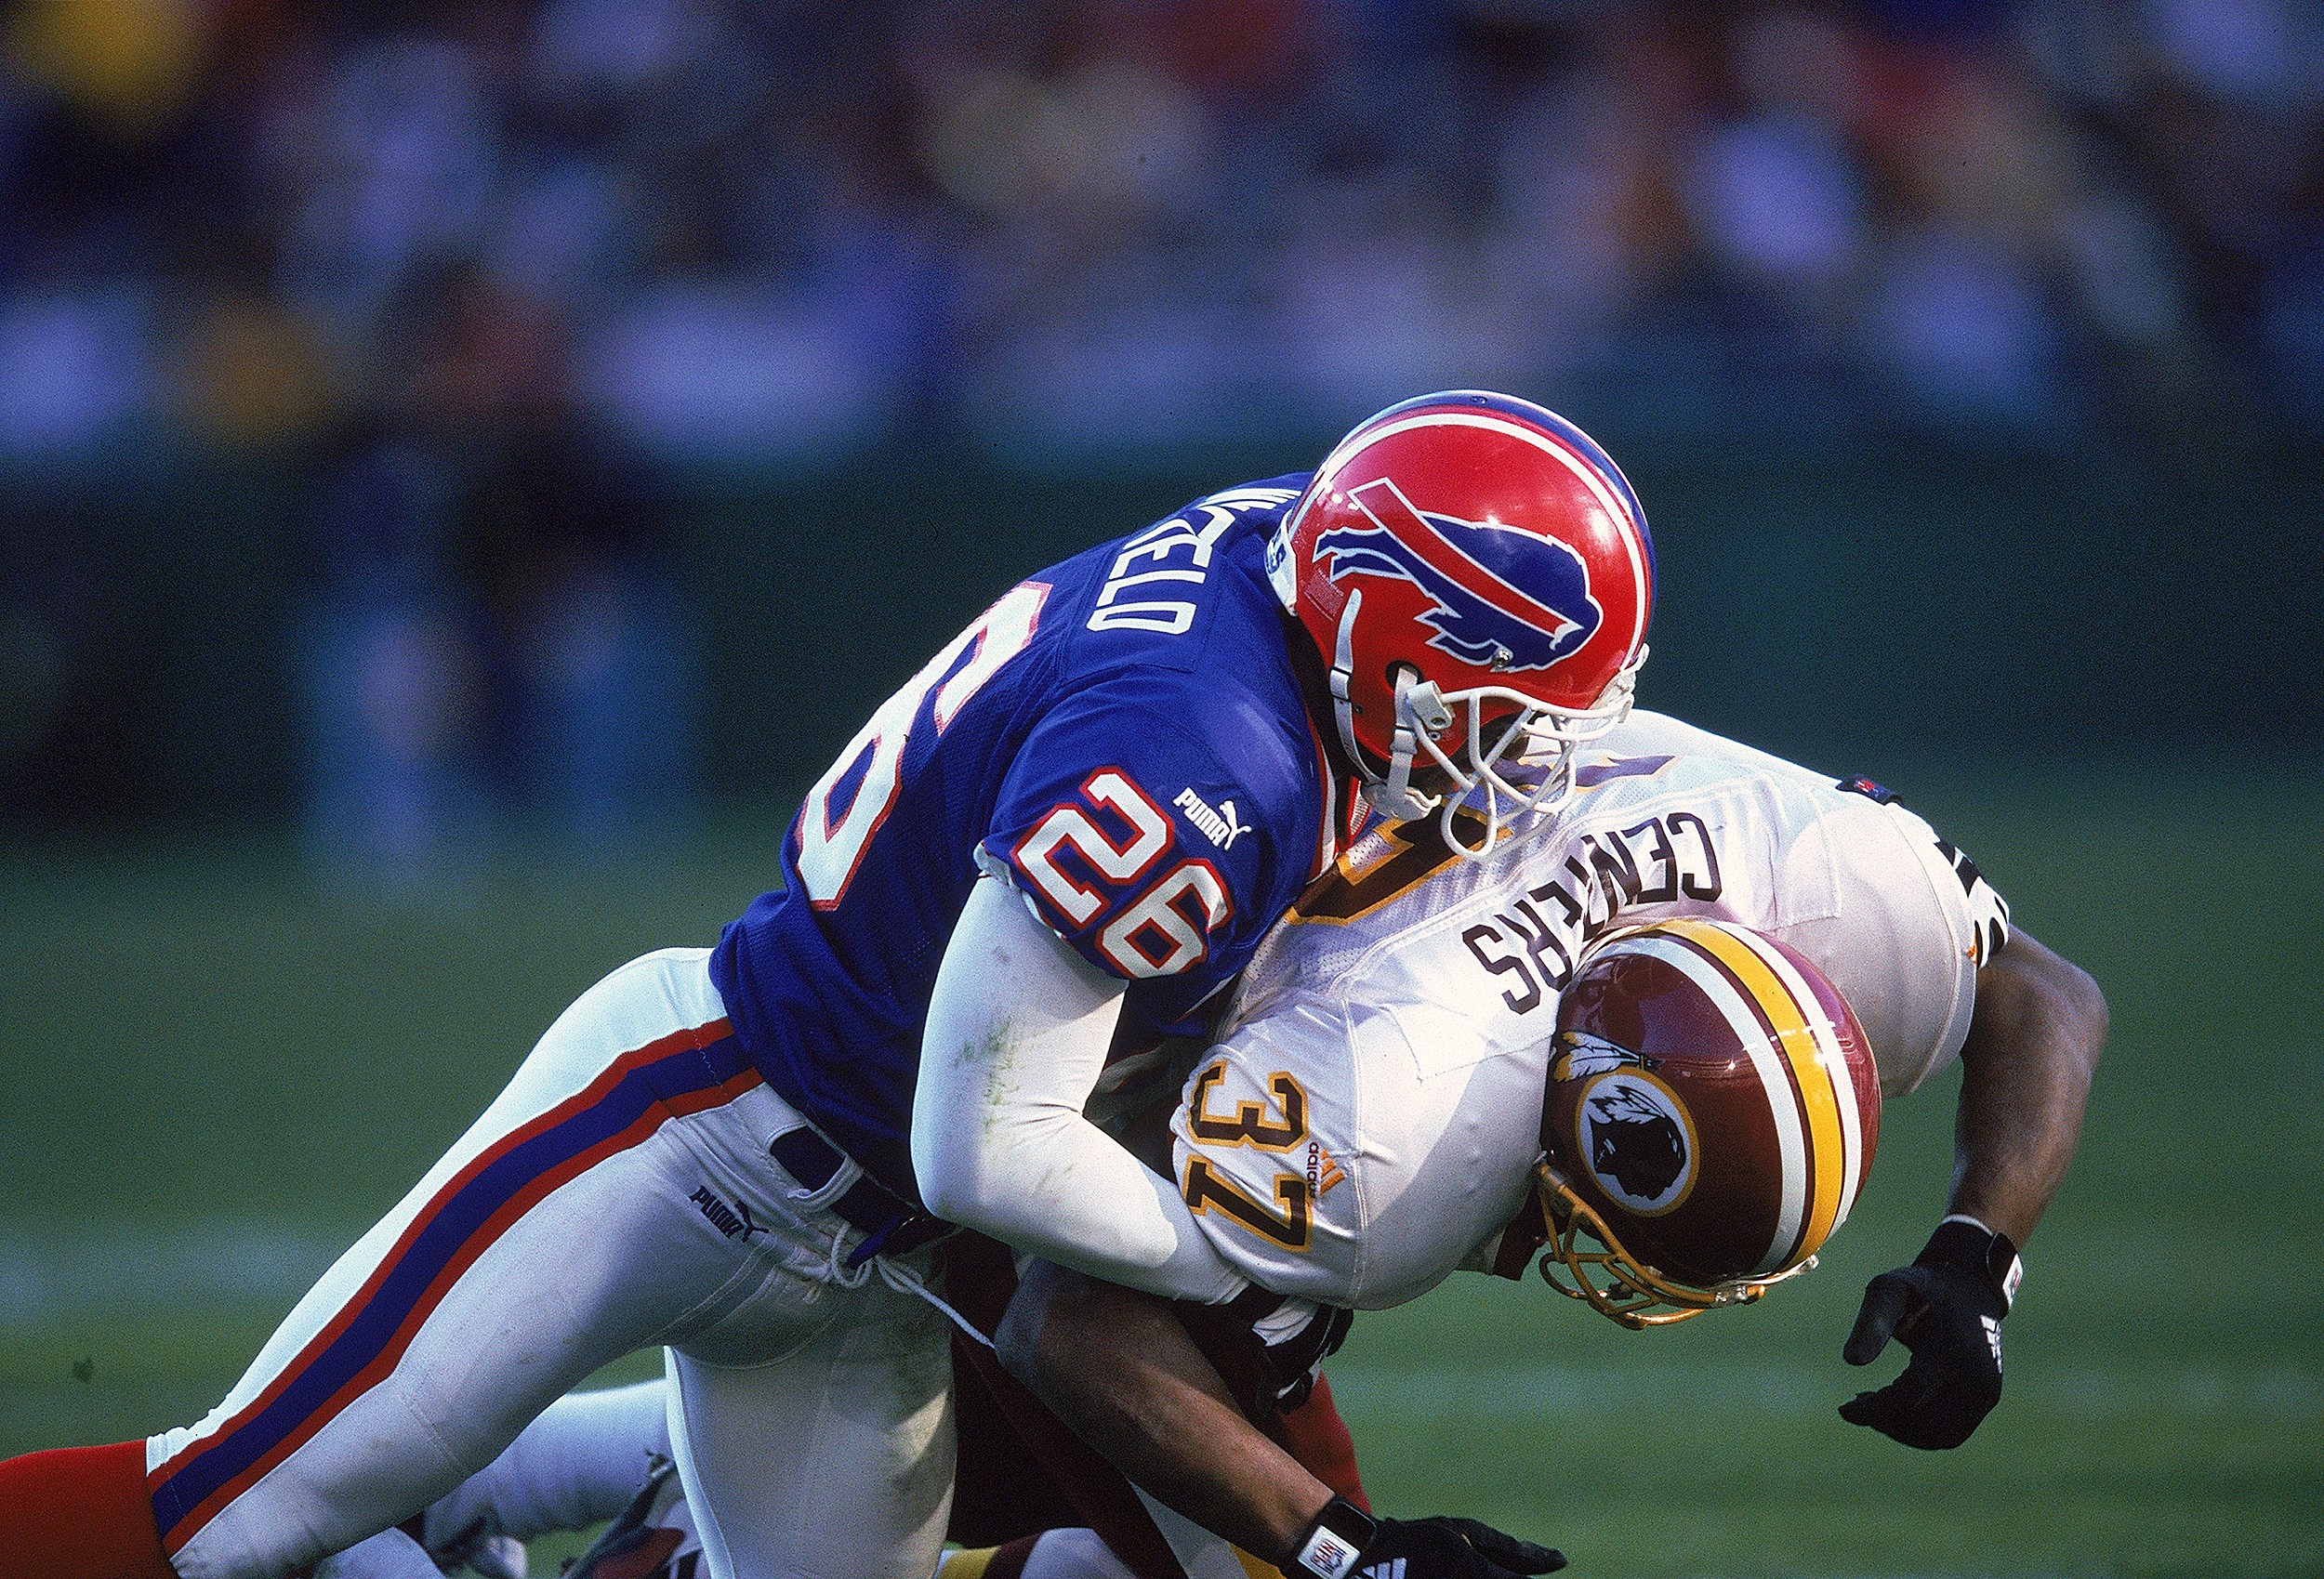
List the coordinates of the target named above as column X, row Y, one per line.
column 1477, row 574
column 1712, row 1110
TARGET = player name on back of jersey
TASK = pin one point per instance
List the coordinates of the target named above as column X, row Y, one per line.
column 1540, row 938
column 1174, row 550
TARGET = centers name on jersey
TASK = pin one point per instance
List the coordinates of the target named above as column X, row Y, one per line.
column 1218, row 826
column 1544, row 934
column 1192, row 536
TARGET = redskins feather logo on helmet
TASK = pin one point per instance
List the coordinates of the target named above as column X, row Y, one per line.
column 1712, row 1110
column 1478, row 574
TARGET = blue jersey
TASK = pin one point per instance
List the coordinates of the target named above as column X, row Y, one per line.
column 1123, row 738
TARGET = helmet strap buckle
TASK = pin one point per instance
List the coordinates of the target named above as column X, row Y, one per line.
column 1417, row 702
column 1423, row 703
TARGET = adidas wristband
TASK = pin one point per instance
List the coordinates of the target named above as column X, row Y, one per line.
column 1334, row 1543
column 1964, row 1241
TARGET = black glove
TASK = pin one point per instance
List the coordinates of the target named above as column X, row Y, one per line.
column 1345, row 1543
column 1452, row 1549
column 1947, row 1308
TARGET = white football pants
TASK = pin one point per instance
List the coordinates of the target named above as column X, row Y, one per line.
column 618, row 1194
column 584, row 1457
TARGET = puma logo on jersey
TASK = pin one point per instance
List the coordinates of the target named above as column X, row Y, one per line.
column 1218, row 826
column 728, row 1220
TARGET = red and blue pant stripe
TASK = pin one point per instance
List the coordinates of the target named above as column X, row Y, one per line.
column 688, row 1071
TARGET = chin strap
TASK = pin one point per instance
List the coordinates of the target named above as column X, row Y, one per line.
column 1343, row 674
column 1418, row 702
column 1393, row 798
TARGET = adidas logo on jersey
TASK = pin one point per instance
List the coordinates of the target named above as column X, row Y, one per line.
column 1218, row 826
column 1323, row 1171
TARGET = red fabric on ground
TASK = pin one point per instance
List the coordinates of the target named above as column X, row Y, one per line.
column 1319, row 1440
column 79, row 1513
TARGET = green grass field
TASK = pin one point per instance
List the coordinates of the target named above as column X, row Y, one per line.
column 216, row 1075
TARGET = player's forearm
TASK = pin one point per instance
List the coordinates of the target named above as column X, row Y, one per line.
column 1017, row 1033
column 2033, row 1047
column 1058, row 1186
column 1118, row 1368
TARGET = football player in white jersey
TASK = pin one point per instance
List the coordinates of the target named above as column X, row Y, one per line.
column 1408, row 999
column 1399, row 1021
column 1369, row 1118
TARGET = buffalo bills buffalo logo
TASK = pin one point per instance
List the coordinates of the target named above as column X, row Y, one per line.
column 1505, row 598
column 1636, row 1143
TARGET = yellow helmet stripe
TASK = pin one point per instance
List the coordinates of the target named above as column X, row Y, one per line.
column 1843, row 1079
column 1795, row 1030
column 1719, row 985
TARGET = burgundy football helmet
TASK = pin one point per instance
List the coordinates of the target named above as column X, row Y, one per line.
column 1477, row 574
column 1712, row 1110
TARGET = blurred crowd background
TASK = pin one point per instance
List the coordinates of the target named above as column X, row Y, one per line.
column 401, row 343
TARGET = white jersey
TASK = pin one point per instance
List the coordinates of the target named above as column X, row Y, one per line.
column 1369, row 1118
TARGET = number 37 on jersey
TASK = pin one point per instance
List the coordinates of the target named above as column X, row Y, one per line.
column 1252, row 1159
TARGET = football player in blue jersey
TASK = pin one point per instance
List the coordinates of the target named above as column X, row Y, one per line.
column 1684, row 857
column 1048, row 851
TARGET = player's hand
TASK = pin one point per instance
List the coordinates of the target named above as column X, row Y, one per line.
column 1451, row 1548
column 1345, row 1543
column 1946, row 1307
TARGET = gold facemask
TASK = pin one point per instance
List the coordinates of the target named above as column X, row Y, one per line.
column 1611, row 1279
